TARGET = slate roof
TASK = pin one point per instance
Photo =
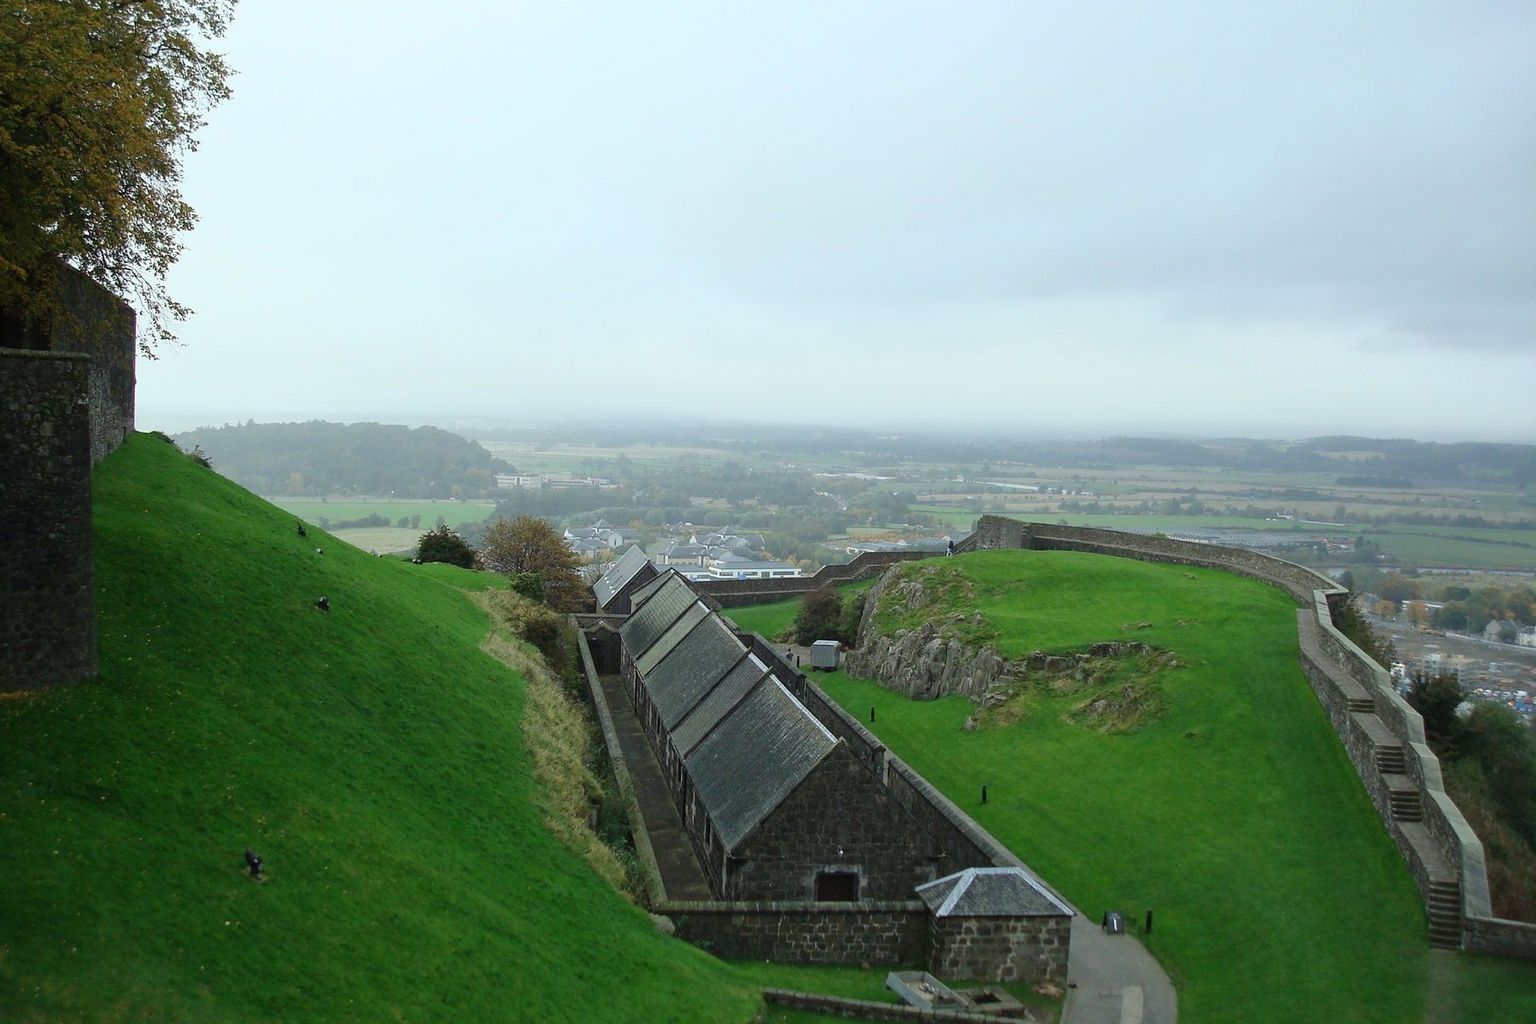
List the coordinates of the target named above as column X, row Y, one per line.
column 649, row 587
column 727, row 693
column 754, row 758
column 607, row 587
column 662, row 606
column 990, row 892
column 674, row 635
column 682, row 677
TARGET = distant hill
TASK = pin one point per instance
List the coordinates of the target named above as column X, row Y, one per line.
column 372, row 754
column 320, row 458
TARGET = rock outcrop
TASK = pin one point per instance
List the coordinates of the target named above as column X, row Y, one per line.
column 924, row 665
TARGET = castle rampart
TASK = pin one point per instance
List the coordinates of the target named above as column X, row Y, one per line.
column 66, row 402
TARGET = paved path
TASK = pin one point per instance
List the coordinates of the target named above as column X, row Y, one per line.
column 1115, row 977
column 680, row 872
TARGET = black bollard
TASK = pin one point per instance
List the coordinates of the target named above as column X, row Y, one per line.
column 983, row 794
column 871, row 712
column 1149, row 920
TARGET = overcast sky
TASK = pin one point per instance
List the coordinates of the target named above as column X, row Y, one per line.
column 1281, row 219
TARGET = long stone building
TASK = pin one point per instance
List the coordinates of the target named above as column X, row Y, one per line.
column 794, row 812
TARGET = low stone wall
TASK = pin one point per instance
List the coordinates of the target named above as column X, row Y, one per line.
column 1500, row 937
column 889, row 933
column 645, row 856
column 744, row 593
column 864, row 1009
column 48, row 612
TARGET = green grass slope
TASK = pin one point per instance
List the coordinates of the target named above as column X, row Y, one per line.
column 1235, row 814
column 372, row 755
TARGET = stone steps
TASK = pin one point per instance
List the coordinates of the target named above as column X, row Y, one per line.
column 1361, row 705
column 1390, row 760
column 1407, row 804
column 1444, row 904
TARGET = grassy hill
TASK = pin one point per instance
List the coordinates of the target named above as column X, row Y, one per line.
column 372, row 755
column 1232, row 812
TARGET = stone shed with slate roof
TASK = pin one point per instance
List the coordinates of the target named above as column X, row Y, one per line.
column 998, row 924
column 614, row 589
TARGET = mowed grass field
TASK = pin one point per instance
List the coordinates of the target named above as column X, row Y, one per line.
column 339, row 510
column 372, row 755
column 1235, row 815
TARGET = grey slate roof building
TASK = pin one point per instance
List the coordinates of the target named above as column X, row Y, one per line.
column 772, row 801
column 615, row 586
column 755, row 758
column 790, row 810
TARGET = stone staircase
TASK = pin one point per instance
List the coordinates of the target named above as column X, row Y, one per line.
column 1444, row 906
column 1381, row 753
column 1390, row 760
column 1407, row 804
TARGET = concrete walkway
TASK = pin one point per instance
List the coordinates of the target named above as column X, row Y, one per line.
column 1117, row 981
column 680, row 872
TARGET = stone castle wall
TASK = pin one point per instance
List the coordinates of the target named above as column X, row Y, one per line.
column 48, row 615
column 63, row 408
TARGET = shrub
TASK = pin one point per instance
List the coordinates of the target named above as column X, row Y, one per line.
column 819, row 617
column 443, row 545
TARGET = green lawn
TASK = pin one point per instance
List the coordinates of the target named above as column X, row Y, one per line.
column 454, row 513
column 1236, row 815
column 773, row 619
column 372, row 755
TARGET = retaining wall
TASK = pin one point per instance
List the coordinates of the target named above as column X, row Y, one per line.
column 742, row 593
column 889, row 933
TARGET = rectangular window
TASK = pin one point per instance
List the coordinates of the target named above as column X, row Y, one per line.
column 837, row 887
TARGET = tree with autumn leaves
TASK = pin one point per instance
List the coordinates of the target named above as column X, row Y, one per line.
column 528, row 544
column 100, row 101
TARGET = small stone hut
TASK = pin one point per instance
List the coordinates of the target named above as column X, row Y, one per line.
column 997, row 924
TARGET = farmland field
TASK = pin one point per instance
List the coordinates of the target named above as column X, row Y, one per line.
column 455, row 513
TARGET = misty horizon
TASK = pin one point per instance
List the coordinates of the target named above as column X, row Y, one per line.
column 1272, row 222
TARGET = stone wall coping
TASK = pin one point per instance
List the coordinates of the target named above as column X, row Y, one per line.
column 645, row 856
column 34, row 353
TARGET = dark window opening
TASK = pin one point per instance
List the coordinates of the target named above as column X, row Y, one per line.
column 837, row 887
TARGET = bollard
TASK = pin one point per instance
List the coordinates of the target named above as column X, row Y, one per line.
column 983, row 794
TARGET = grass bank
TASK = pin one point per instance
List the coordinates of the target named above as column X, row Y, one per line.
column 373, row 755
column 1234, row 815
